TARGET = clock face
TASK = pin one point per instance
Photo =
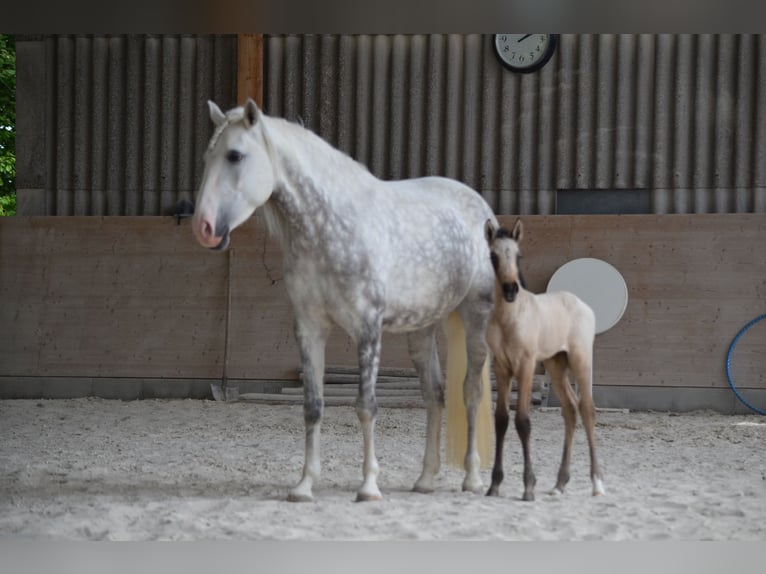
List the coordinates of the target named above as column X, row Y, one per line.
column 525, row 52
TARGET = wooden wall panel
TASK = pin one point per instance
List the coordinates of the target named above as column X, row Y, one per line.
column 137, row 297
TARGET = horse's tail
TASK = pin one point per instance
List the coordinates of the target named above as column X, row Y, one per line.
column 457, row 425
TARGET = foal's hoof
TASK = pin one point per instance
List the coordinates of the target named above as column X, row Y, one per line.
column 598, row 487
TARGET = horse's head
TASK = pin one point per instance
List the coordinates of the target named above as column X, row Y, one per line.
column 238, row 176
column 505, row 255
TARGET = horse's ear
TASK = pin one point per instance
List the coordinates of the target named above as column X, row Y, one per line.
column 216, row 115
column 489, row 230
column 252, row 113
column 518, row 231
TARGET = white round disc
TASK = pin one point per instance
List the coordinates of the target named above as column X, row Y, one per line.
column 597, row 283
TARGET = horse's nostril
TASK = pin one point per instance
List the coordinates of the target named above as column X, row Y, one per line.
column 207, row 229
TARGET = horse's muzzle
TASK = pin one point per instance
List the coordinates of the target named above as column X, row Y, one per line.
column 510, row 290
column 224, row 243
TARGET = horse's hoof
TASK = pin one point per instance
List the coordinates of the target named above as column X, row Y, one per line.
column 474, row 488
column 528, row 497
column 556, row 491
column 419, row 488
column 493, row 491
column 298, row 497
column 368, row 496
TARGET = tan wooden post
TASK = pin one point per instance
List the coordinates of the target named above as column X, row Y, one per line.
column 250, row 68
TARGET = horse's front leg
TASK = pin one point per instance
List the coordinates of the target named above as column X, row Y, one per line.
column 366, row 409
column 502, row 407
column 524, row 376
column 311, row 338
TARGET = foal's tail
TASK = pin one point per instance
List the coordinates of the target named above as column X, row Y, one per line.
column 457, row 425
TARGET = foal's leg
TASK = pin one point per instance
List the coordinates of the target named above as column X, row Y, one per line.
column 475, row 316
column 425, row 357
column 582, row 366
column 557, row 369
column 525, row 376
column 311, row 338
column 502, row 407
column 368, row 347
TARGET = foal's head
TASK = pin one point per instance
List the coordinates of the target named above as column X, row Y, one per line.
column 238, row 176
column 505, row 255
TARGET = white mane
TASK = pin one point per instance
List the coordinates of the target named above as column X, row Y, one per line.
column 293, row 147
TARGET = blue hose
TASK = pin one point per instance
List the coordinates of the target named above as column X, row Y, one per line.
column 728, row 363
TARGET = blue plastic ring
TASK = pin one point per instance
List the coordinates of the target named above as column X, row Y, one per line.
column 728, row 364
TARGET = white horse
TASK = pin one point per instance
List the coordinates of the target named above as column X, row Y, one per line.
column 361, row 253
column 555, row 328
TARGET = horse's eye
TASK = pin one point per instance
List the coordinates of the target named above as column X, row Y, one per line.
column 493, row 258
column 234, row 156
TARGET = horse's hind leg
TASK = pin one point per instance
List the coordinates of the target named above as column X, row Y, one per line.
column 475, row 316
column 368, row 348
column 582, row 367
column 311, row 338
column 557, row 369
column 425, row 357
column 502, row 419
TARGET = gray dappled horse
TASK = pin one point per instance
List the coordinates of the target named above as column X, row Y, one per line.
column 361, row 253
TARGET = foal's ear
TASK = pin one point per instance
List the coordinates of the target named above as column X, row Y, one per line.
column 252, row 113
column 216, row 115
column 518, row 231
column 489, row 230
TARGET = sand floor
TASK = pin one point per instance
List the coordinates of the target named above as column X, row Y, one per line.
column 92, row 469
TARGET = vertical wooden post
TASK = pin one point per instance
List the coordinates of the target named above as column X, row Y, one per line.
column 250, row 68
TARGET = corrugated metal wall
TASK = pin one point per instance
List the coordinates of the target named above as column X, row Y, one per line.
column 124, row 120
column 125, row 123
column 681, row 115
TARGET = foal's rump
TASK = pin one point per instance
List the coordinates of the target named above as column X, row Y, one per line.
column 564, row 320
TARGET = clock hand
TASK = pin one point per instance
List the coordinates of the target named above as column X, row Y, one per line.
column 523, row 38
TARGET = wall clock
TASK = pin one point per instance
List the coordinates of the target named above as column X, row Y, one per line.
column 525, row 53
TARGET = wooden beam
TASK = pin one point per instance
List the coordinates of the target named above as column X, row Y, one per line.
column 250, row 68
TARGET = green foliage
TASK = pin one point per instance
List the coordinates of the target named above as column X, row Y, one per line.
column 7, row 125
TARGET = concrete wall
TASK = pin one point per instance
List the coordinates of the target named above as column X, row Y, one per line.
column 131, row 306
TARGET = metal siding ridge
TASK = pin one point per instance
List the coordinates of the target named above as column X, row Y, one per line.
column 150, row 150
column 435, row 108
column 188, row 109
column 662, row 156
column 81, row 125
column 683, row 144
column 363, row 100
column 586, row 100
column 117, row 117
column 64, row 125
column 726, row 97
column 381, row 66
column 605, row 113
column 567, row 112
column 645, row 83
column 625, row 111
column 704, row 121
column 399, row 100
column 346, row 83
column 135, row 110
column 416, row 118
